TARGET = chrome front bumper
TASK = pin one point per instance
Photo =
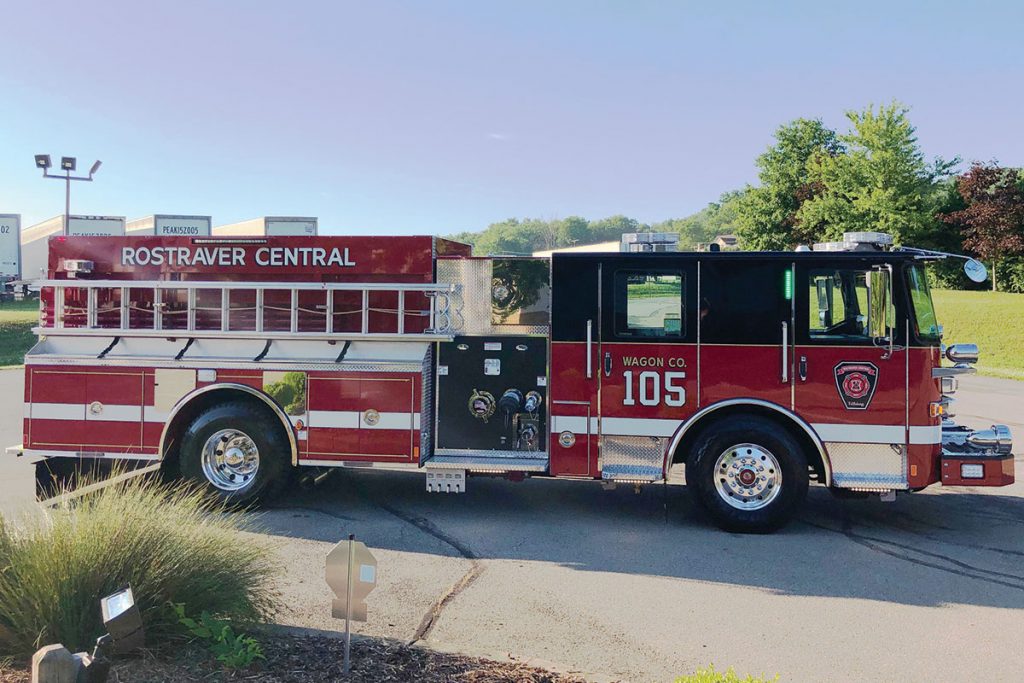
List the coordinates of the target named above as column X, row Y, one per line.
column 982, row 457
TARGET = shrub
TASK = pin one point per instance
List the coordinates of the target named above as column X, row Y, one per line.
column 171, row 543
column 233, row 650
column 709, row 675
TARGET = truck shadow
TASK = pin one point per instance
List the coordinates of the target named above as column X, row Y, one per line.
column 928, row 549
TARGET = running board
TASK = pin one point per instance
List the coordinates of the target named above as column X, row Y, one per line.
column 489, row 463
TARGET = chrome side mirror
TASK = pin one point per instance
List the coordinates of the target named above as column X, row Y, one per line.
column 962, row 353
column 975, row 270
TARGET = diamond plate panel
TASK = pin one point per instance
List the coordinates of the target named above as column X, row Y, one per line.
column 427, row 407
column 868, row 465
column 469, row 307
column 636, row 458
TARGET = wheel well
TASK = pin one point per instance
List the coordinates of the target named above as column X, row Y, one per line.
column 811, row 450
column 183, row 416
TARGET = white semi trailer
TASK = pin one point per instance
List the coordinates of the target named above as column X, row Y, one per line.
column 10, row 250
column 35, row 238
column 271, row 226
column 170, row 226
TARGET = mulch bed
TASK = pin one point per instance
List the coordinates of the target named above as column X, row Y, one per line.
column 305, row 659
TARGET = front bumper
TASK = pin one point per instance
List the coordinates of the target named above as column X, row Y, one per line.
column 976, row 457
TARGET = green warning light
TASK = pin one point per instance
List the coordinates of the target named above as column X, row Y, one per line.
column 788, row 284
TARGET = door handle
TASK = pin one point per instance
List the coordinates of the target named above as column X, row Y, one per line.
column 607, row 363
column 803, row 368
column 590, row 352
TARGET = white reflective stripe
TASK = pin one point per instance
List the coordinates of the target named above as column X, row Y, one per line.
column 930, row 434
column 927, row 435
column 109, row 413
column 391, row 421
column 635, row 426
column 570, row 423
column 615, row 426
column 151, row 414
column 55, row 411
column 335, row 419
column 351, row 419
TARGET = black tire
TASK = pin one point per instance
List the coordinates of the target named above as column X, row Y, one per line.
column 744, row 444
column 262, row 430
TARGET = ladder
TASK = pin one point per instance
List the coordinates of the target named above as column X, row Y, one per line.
column 112, row 307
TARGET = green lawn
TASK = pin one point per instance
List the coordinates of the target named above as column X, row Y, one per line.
column 992, row 320
column 17, row 318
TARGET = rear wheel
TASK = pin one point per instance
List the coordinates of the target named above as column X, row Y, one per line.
column 748, row 474
column 238, row 452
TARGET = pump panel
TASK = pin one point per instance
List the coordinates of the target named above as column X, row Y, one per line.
column 492, row 394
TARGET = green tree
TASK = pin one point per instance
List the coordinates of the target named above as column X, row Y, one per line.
column 881, row 182
column 717, row 218
column 766, row 215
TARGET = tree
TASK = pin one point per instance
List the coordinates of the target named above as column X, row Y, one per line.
column 766, row 215
column 717, row 218
column 882, row 181
column 992, row 221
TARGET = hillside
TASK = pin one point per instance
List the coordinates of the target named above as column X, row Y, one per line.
column 524, row 236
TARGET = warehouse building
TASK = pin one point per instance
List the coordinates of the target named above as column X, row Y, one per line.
column 171, row 226
column 270, row 226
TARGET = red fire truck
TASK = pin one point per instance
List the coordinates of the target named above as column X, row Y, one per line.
column 236, row 361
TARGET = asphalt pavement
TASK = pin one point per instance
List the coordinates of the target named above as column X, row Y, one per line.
column 637, row 586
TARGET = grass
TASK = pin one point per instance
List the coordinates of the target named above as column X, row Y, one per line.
column 172, row 544
column 992, row 320
column 17, row 318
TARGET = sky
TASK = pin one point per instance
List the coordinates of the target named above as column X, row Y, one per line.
column 437, row 117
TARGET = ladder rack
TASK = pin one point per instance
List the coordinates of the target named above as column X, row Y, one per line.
column 99, row 295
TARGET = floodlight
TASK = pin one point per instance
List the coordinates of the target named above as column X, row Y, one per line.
column 43, row 161
column 95, row 167
column 123, row 621
column 68, row 163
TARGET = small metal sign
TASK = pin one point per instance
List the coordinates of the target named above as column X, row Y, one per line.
column 351, row 573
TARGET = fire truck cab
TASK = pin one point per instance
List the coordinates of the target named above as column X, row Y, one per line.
column 236, row 361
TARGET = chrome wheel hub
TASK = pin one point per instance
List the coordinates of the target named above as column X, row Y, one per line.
column 747, row 476
column 230, row 459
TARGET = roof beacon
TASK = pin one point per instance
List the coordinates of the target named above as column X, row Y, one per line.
column 858, row 241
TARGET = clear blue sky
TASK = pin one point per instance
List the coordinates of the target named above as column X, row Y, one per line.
column 402, row 117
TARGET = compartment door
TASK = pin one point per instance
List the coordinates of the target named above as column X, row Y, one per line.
column 575, row 364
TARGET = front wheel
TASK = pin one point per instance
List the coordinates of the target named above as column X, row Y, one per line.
column 748, row 474
column 234, row 449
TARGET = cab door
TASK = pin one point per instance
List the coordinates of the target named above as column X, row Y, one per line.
column 574, row 371
column 850, row 369
column 648, row 361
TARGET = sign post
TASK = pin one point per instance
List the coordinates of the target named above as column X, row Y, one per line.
column 351, row 574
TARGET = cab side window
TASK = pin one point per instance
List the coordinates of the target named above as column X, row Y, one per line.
column 838, row 305
column 649, row 304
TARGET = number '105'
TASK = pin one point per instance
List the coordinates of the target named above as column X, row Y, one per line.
column 650, row 388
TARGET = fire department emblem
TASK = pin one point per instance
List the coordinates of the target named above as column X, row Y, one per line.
column 856, row 384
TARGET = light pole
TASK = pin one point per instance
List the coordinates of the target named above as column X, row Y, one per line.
column 67, row 164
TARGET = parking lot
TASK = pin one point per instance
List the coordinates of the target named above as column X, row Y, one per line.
column 636, row 586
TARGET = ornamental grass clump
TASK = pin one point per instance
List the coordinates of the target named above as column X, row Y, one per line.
column 171, row 543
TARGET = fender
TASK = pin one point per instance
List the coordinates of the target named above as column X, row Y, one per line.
column 790, row 415
column 270, row 403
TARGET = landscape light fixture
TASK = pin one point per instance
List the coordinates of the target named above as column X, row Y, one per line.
column 67, row 164
column 123, row 620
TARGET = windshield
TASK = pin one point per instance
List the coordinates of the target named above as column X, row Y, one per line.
column 925, row 323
